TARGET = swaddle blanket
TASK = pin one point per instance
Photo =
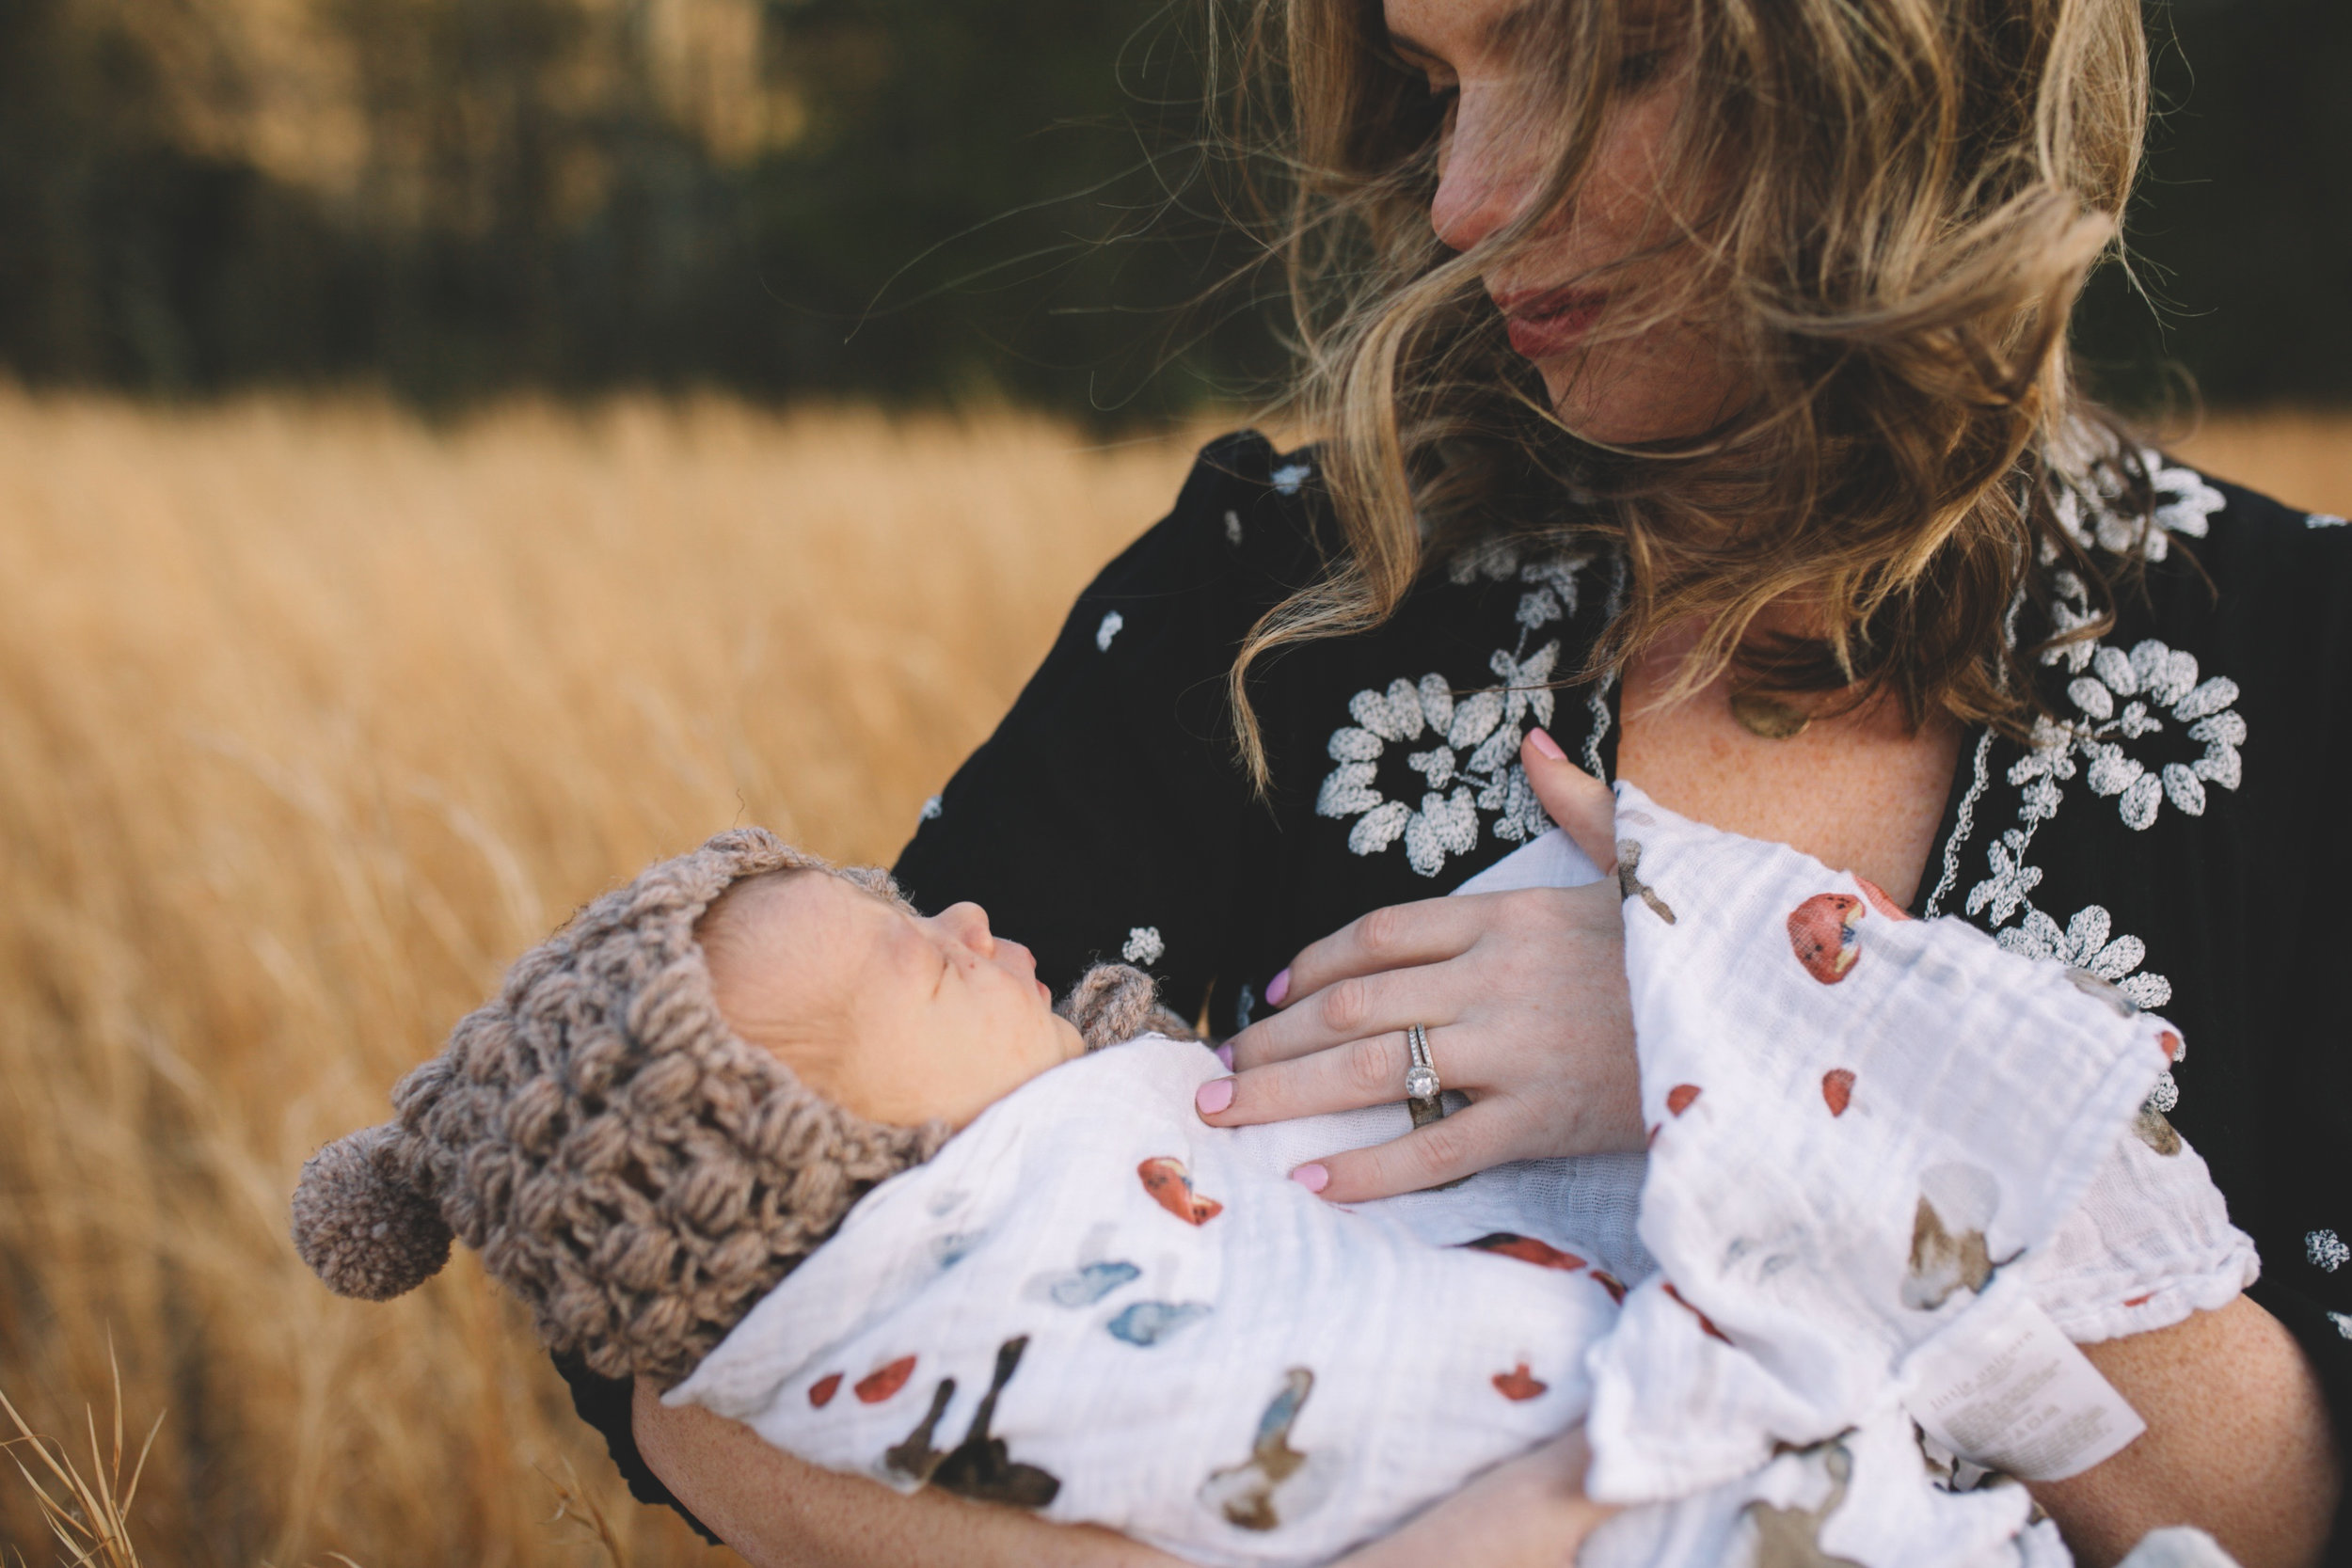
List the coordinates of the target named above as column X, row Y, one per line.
column 1874, row 1138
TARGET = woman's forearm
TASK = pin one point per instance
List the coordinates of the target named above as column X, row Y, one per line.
column 2238, row 1443
column 779, row 1513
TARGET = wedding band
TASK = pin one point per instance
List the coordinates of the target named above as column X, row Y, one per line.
column 1420, row 1079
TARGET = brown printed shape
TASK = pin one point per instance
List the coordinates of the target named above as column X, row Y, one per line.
column 1879, row 901
column 981, row 1466
column 1821, row 934
column 880, row 1384
column 1170, row 1186
column 1517, row 1384
column 1837, row 1090
column 1245, row 1493
column 1941, row 1262
column 1631, row 886
column 1609, row 1283
column 820, row 1392
column 1527, row 1249
column 1791, row 1537
column 2151, row 1129
column 1706, row 1323
column 1681, row 1098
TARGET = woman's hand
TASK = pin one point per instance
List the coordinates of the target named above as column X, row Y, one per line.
column 1528, row 1513
column 1523, row 995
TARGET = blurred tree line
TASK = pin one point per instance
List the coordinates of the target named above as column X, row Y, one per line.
column 876, row 196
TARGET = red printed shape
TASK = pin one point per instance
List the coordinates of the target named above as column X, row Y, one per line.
column 1704, row 1321
column 1878, row 901
column 1682, row 1097
column 1821, row 932
column 1170, row 1187
column 878, row 1386
column 2171, row 1043
column 1837, row 1090
column 1611, row 1284
column 1517, row 1384
column 2138, row 1301
column 820, row 1392
column 1527, row 1249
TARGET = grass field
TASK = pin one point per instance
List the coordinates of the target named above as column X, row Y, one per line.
column 310, row 717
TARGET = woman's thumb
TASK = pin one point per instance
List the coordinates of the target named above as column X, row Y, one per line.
column 1585, row 808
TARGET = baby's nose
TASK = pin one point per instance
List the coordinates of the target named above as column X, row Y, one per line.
column 968, row 925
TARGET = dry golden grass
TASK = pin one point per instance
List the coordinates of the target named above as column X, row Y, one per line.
column 309, row 719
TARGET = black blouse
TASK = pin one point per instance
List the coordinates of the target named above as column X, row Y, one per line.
column 2178, row 834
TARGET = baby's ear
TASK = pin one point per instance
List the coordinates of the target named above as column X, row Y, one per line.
column 359, row 1224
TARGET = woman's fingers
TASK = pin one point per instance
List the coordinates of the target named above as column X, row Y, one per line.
column 1585, row 808
column 1482, row 1133
column 1346, row 1077
column 1396, row 936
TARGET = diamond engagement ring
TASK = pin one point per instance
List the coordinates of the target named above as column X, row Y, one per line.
column 1420, row 1079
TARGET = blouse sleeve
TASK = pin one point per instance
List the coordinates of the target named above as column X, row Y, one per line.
column 1106, row 818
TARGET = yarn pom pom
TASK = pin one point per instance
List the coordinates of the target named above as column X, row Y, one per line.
column 1112, row 1003
column 362, row 1228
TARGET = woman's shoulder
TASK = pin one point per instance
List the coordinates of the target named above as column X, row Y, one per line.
column 1246, row 510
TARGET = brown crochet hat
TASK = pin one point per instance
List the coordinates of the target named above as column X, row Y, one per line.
column 623, row 1162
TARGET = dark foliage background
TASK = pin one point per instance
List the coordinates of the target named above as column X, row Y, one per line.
column 919, row 201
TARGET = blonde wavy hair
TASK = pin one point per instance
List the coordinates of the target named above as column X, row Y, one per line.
column 1899, row 201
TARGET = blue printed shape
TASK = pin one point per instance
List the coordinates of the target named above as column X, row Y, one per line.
column 1087, row 1286
column 1147, row 1322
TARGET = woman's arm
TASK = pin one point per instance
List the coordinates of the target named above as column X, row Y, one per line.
column 2239, row 1444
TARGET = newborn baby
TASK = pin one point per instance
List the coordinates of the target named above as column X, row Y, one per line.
column 1075, row 1297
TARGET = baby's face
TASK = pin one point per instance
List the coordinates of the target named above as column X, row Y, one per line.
column 893, row 1017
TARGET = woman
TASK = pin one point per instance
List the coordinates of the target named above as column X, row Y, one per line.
column 1692, row 381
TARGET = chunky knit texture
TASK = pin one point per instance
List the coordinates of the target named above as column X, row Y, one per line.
column 628, row 1165
column 624, row 1163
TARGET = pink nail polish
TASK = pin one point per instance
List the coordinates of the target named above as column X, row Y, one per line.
column 1545, row 745
column 1213, row 1096
column 1277, row 990
column 1225, row 1055
column 1314, row 1178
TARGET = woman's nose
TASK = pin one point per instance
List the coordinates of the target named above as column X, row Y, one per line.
column 1482, row 173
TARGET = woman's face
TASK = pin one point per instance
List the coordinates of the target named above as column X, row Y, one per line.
column 1668, row 380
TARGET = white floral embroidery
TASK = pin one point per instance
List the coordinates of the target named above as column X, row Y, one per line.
column 1288, row 478
column 2342, row 1321
column 1245, row 1005
column 930, row 809
column 1232, row 527
column 2083, row 945
column 1144, row 945
column 1469, row 764
column 2325, row 519
column 1108, row 629
column 2165, row 1094
column 2326, row 1250
column 2096, row 518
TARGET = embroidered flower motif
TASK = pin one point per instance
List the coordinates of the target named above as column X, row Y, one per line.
column 1288, row 478
column 2325, row 519
column 930, row 809
column 1144, row 945
column 1469, row 767
column 2342, row 1321
column 1233, row 528
column 2326, row 1251
column 2085, row 945
column 2012, row 881
column 1108, row 629
column 2125, row 697
column 2098, row 520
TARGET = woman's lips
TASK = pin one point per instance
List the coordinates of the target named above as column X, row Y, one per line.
column 1543, row 323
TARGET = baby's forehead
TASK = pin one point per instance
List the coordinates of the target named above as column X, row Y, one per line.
column 804, row 905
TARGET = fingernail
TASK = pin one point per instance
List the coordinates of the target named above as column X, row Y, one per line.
column 1277, row 990
column 1213, row 1096
column 1225, row 1055
column 1545, row 745
column 1314, row 1178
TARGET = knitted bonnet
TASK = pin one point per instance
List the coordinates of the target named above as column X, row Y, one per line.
column 627, row 1164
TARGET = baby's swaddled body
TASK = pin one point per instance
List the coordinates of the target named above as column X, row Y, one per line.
column 1092, row 1304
